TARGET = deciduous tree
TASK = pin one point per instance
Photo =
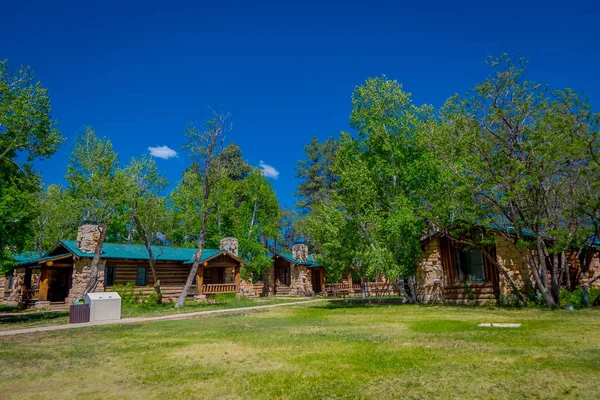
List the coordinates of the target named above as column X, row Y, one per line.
column 520, row 162
column 27, row 132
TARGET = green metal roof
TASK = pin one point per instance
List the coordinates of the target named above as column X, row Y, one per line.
column 139, row 252
column 184, row 255
column 310, row 263
column 27, row 257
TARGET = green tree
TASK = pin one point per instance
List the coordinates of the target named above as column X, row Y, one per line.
column 56, row 219
column 316, row 172
column 374, row 221
column 244, row 205
column 98, row 188
column 517, row 157
column 148, row 208
column 26, row 128
column 204, row 146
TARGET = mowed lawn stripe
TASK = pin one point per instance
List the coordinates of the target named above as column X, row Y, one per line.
column 323, row 350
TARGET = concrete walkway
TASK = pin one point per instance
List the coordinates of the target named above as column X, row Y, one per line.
column 151, row 319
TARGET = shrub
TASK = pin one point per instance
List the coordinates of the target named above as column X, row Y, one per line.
column 224, row 297
column 127, row 293
column 575, row 298
column 152, row 298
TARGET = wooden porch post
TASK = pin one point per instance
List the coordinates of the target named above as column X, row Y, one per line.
column 43, row 295
column 237, row 278
column 199, row 278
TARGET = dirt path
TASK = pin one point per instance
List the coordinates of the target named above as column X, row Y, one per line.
column 150, row 319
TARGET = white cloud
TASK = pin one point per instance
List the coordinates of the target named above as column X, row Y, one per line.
column 162, row 152
column 268, row 171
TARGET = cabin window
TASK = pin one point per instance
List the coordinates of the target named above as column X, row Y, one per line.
column 142, row 276
column 109, row 276
column 10, row 281
column 470, row 266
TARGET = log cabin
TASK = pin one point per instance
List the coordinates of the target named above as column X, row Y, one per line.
column 295, row 274
column 448, row 273
column 62, row 274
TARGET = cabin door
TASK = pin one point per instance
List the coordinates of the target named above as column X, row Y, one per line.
column 316, row 280
column 284, row 276
column 59, row 283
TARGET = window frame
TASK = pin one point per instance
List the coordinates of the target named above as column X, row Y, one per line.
column 460, row 266
column 145, row 276
column 106, row 275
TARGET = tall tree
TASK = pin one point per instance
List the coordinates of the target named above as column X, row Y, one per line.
column 205, row 146
column 374, row 222
column 519, row 159
column 244, row 206
column 26, row 127
column 316, row 172
column 97, row 186
column 148, row 208
column 56, row 219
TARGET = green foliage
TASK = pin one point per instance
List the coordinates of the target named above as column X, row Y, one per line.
column 243, row 204
column 516, row 156
column 56, row 219
column 127, row 293
column 144, row 201
column 316, row 172
column 224, row 297
column 97, row 185
column 27, row 133
column 373, row 221
column 575, row 298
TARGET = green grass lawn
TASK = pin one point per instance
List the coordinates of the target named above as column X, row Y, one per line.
column 323, row 350
column 14, row 318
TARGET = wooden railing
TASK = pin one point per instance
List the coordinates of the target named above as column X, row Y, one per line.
column 31, row 294
column 371, row 288
column 218, row 288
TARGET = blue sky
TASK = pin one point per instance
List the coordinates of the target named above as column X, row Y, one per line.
column 139, row 72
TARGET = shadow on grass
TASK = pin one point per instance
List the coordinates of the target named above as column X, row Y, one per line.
column 32, row 317
column 357, row 303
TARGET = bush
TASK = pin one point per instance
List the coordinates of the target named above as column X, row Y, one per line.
column 152, row 298
column 575, row 298
column 224, row 297
column 127, row 293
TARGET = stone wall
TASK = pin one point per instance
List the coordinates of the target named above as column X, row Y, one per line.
column 300, row 252
column 3, row 285
column 229, row 244
column 247, row 288
column 87, row 237
column 300, row 281
column 15, row 298
column 81, row 278
column 430, row 275
column 269, row 282
column 512, row 260
column 594, row 268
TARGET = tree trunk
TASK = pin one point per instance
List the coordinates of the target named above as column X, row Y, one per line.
column 411, row 290
column 195, row 265
column 540, row 272
column 585, row 289
column 93, row 282
column 505, row 274
column 362, row 287
column 151, row 259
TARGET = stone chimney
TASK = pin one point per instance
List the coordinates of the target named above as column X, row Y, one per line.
column 229, row 244
column 300, row 252
column 87, row 237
